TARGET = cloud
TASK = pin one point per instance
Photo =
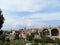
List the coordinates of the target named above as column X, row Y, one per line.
column 13, row 22
column 19, row 5
column 28, row 5
column 44, row 16
column 38, row 12
column 30, row 20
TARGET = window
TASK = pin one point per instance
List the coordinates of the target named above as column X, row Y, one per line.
column 54, row 32
column 45, row 32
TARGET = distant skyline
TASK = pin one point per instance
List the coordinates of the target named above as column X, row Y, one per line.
column 30, row 13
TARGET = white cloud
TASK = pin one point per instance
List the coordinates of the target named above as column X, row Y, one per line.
column 19, row 5
column 30, row 20
column 13, row 22
column 27, row 5
column 44, row 16
column 30, row 5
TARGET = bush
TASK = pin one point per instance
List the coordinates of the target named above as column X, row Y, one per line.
column 37, row 40
column 30, row 38
column 46, row 40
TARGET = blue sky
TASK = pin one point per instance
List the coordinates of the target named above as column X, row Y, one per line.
column 30, row 13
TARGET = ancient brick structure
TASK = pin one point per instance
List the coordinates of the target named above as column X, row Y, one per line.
column 51, row 32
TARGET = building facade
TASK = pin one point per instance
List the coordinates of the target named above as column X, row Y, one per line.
column 51, row 32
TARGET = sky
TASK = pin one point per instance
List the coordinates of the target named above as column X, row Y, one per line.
column 30, row 13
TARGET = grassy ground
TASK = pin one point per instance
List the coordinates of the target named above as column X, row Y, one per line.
column 21, row 42
column 15, row 42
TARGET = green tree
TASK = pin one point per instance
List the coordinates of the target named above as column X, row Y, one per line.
column 57, row 40
column 30, row 38
column 1, row 19
column 46, row 40
column 1, row 24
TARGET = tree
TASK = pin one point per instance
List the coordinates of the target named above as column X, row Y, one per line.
column 1, row 21
column 46, row 40
column 29, row 38
column 57, row 40
column 2, row 37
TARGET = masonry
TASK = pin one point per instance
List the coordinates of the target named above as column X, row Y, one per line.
column 51, row 32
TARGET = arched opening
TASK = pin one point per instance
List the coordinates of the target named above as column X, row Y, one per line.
column 54, row 32
column 45, row 32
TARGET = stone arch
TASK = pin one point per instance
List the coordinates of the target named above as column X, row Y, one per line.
column 54, row 32
column 45, row 32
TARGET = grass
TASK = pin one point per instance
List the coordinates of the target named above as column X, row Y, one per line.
column 22, row 42
column 15, row 42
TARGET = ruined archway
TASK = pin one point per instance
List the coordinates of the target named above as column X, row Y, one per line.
column 54, row 32
column 45, row 32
